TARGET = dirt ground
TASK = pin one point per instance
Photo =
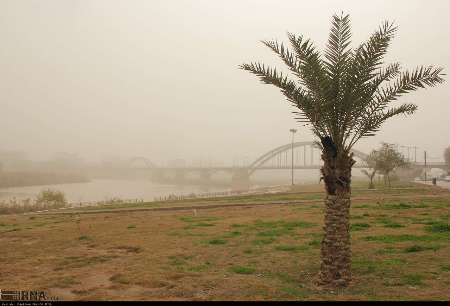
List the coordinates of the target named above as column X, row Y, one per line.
column 400, row 242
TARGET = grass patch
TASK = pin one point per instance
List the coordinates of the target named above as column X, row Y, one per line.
column 84, row 237
column 359, row 226
column 294, row 292
column 393, row 261
column 203, row 224
column 199, row 219
column 314, row 243
column 131, row 226
column 403, row 205
column 200, row 268
column 233, row 234
column 420, row 248
column 291, row 248
column 248, row 251
column 242, row 270
column 179, row 260
column 287, row 225
column 362, row 206
column 272, row 233
column 412, row 279
column 398, row 238
column 393, row 225
column 438, row 227
column 271, row 229
column 445, row 267
column 217, row 241
column 263, row 241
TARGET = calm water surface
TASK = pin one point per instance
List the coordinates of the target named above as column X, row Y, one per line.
column 101, row 190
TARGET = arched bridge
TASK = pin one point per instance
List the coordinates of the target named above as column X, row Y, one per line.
column 282, row 162
column 141, row 162
column 307, row 155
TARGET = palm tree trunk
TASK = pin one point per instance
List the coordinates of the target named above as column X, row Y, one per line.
column 335, row 268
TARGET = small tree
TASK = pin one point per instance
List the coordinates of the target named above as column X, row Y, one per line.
column 447, row 156
column 387, row 159
column 371, row 161
column 51, row 199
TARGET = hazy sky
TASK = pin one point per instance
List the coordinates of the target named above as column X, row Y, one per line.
column 160, row 78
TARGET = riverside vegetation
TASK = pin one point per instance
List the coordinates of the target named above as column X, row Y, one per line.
column 46, row 199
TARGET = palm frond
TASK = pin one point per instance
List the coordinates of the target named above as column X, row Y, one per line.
column 337, row 57
column 287, row 56
column 409, row 81
column 365, row 62
column 270, row 75
column 372, row 122
column 346, row 94
column 299, row 97
column 385, row 75
column 313, row 76
column 312, row 70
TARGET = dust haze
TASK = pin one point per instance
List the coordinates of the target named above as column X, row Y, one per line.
column 103, row 79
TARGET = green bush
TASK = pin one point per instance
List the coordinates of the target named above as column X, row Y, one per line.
column 51, row 199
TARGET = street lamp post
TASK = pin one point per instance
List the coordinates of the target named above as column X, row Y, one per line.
column 425, row 163
column 293, row 131
column 415, row 154
column 404, row 154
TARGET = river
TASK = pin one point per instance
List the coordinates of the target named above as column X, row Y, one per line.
column 105, row 189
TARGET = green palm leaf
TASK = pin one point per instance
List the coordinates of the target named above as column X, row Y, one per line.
column 345, row 94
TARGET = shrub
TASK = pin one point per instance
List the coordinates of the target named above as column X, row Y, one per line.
column 51, row 199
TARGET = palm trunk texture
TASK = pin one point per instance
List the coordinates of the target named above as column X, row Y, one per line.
column 335, row 268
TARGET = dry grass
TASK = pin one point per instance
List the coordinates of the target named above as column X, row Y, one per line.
column 400, row 242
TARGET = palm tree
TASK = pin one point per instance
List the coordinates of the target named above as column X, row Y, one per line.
column 343, row 96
